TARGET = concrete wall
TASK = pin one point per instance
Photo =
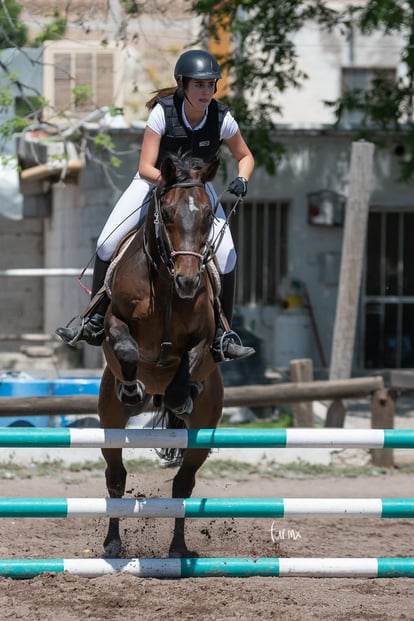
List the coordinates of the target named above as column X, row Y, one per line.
column 21, row 299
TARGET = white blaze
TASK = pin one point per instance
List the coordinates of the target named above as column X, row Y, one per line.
column 191, row 205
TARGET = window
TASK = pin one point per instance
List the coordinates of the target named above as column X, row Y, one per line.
column 388, row 300
column 79, row 78
column 355, row 82
column 259, row 231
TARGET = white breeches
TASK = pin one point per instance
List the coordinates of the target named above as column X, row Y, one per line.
column 131, row 209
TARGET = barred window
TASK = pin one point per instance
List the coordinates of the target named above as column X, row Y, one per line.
column 259, row 230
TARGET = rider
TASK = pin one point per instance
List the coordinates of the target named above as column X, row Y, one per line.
column 184, row 118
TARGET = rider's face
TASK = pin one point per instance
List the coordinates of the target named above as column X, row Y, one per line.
column 200, row 92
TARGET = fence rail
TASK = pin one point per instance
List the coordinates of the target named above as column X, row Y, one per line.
column 234, row 396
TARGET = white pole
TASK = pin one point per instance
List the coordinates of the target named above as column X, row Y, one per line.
column 45, row 271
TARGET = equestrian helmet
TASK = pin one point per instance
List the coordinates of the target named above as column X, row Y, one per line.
column 197, row 64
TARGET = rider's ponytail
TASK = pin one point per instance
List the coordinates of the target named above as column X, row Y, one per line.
column 162, row 92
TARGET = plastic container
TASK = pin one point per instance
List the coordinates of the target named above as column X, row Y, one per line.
column 64, row 386
column 22, row 385
column 18, row 384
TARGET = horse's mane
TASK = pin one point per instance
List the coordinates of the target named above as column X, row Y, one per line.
column 185, row 164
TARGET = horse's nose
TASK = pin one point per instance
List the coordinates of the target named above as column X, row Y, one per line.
column 187, row 286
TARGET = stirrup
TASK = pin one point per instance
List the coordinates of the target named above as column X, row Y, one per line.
column 89, row 330
column 221, row 344
column 79, row 330
column 224, row 338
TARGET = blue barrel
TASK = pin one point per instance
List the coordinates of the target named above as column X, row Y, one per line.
column 63, row 386
column 23, row 385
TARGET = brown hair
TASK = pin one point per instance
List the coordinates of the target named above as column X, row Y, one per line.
column 166, row 92
column 163, row 92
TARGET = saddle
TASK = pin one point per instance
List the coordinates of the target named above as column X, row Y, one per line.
column 211, row 268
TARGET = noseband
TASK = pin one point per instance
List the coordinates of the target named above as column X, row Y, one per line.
column 166, row 251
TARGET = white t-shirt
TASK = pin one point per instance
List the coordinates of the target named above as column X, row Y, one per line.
column 156, row 122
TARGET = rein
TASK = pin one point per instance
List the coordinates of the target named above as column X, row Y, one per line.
column 219, row 237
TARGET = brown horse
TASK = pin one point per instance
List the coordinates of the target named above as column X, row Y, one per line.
column 159, row 327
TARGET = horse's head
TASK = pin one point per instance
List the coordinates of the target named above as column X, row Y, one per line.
column 183, row 218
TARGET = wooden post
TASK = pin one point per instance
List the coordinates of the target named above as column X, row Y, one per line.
column 353, row 245
column 382, row 417
column 335, row 415
column 302, row 371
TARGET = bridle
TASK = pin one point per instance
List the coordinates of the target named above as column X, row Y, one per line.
column 166, row 250
column 168, row 254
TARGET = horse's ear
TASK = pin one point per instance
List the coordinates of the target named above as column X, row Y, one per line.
column 168, row 171
column 209, row 171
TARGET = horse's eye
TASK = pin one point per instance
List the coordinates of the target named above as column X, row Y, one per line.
column 167, row 214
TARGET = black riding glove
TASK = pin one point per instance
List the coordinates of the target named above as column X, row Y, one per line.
column 238, row 187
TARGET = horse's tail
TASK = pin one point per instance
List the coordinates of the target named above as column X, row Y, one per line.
column 165, row 419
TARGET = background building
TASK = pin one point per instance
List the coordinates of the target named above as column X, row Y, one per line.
column 289, row 230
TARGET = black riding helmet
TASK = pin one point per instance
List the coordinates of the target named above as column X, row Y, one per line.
column 197, row 64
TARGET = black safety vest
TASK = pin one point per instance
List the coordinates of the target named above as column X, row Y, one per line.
column 203, row 143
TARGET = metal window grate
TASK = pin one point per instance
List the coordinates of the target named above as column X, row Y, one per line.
column 259, row 230
column 388, row 293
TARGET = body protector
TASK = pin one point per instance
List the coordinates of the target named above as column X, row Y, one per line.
column 203, row 143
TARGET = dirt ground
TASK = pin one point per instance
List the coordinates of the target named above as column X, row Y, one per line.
column 109, row 598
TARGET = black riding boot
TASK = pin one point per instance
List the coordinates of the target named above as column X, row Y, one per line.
column 91, row 329
column 228, row 345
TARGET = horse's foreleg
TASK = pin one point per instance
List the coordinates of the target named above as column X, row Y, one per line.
column 183, row 485
column 206, row 413
column 177, row 397
column 112, row 415
column 115, row 475
column 130, row 390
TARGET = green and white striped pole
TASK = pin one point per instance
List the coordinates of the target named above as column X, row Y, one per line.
column 210, row 567
column 207, row 507
column 205, row 438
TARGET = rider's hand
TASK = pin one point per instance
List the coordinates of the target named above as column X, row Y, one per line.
column 238, row 187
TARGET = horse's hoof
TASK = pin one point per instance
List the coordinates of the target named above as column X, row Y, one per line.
column 181, row 552
column 131, row 394
column 112, row 549
column 182, row 411
column 174, row 554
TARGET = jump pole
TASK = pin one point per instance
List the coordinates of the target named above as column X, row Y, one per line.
column 39, row 437
column 207, row 507
column 225, row 567
column 215, row 567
